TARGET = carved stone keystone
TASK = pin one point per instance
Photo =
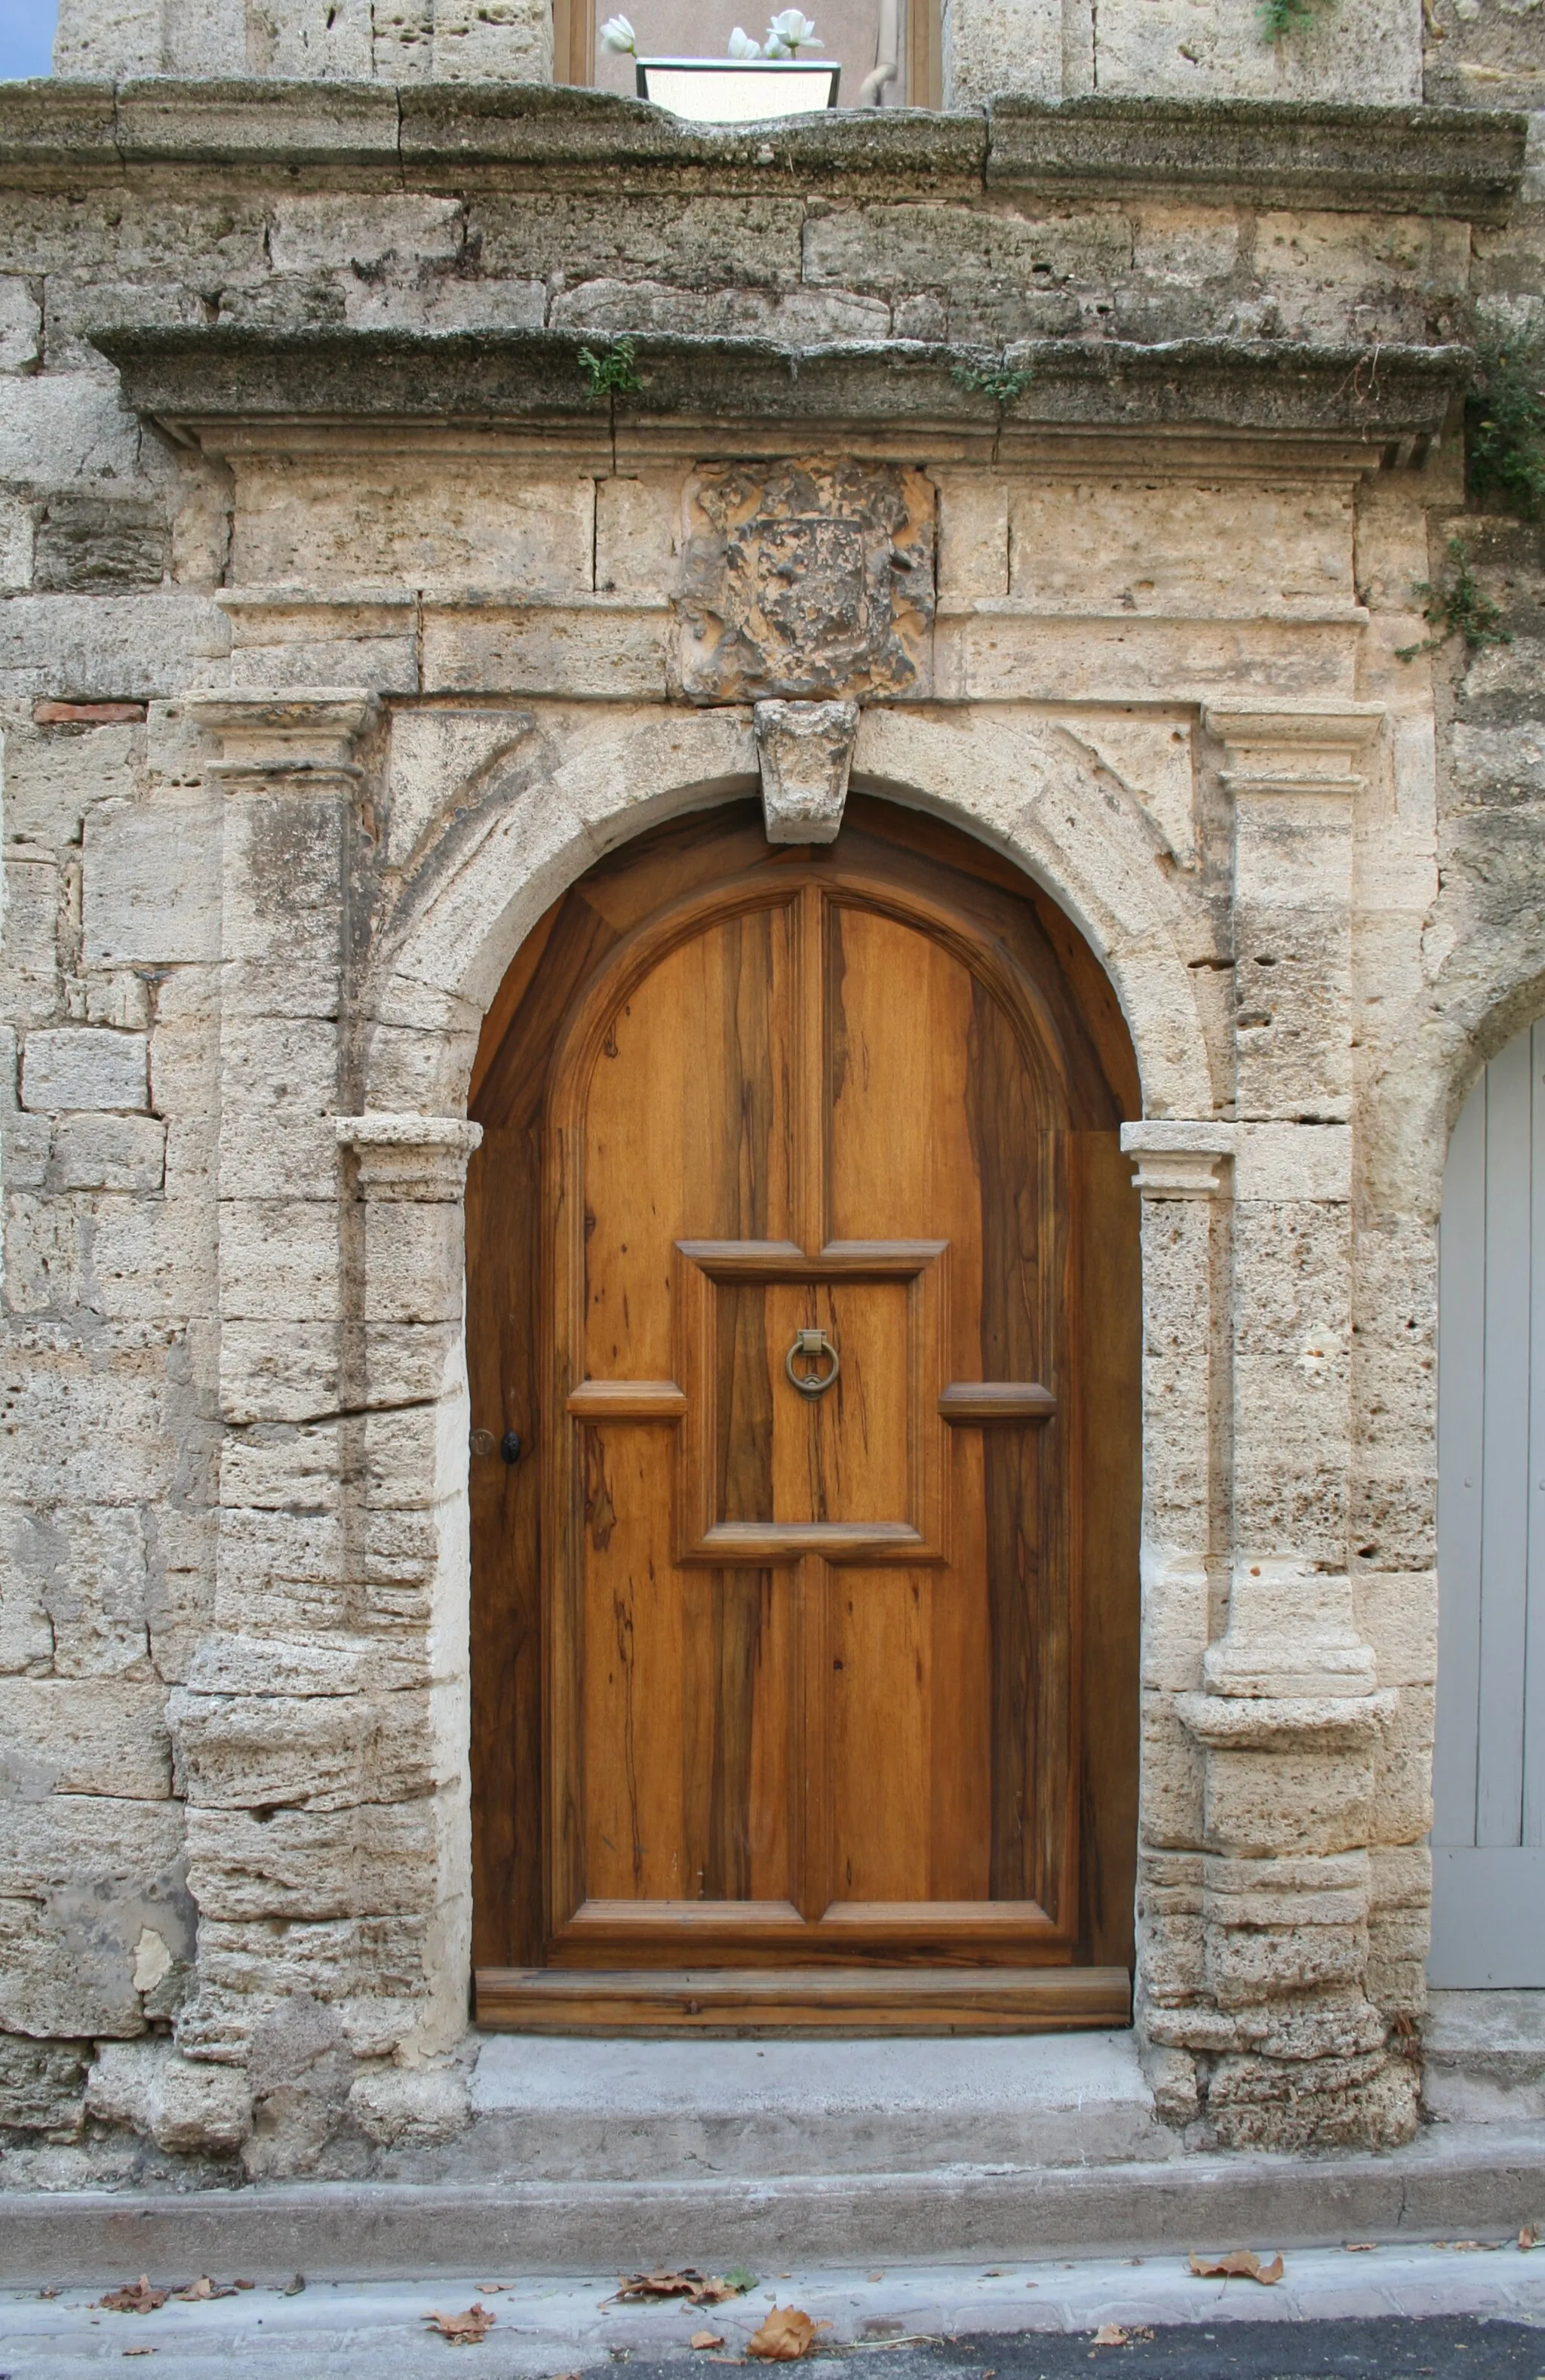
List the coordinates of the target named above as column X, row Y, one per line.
column 806, row 753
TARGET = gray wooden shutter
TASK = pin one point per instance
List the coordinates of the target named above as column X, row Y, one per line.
column 1489, row 1775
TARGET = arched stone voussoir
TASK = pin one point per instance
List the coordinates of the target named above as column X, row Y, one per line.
column 1483, row 996
column 455, row 933
column 1014, row 782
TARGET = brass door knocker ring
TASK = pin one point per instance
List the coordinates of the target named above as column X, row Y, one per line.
column 812, row 1346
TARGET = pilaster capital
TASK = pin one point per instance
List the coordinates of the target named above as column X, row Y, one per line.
column 1302, row 748
column 409, row 1156
column 302, row 731
column 1176, row 1159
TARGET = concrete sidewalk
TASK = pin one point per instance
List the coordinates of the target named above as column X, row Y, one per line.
column 545, row 2327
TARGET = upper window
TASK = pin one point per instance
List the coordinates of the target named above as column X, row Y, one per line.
column 863, row 36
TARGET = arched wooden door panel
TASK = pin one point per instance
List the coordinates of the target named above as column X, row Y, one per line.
column 802, row 1260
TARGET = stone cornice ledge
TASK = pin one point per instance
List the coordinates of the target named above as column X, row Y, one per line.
column 188, row 377
column 1445, row 161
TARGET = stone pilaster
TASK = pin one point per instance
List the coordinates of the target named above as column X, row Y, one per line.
column 1184, row 1173
column 1289, row 1715
column 324, row 1776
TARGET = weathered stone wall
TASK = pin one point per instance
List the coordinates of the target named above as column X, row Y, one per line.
column 1162, row 670
column 1123, row 48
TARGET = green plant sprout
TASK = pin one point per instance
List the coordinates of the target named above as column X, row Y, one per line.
column 1281, row 17
column 615, row 374
column 996, row 380
column 1460, row 609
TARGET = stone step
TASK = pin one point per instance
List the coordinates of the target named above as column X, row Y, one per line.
column 1454, row 2182
column 1485, row 2058
column 561, row 2110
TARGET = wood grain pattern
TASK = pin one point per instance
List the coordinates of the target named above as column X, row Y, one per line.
column 820, row 1677
column 830, row 2000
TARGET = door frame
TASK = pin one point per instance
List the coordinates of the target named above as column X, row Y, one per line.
column 576, row 1043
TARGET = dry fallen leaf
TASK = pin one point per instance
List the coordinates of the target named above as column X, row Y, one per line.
column 706, row 2339
column 1110, row 2333
column 876, row 2276
column 244, row 2285
column 139, row 2350
column 698, row 2288
column 468, row 2329
column 135, row 2297
column 1360, row 2247
column 1528, row 2237
column 785, row 2335
column 54, row 2294
column 1239, row 2264
column 1474, row 2247
column 199, row 2291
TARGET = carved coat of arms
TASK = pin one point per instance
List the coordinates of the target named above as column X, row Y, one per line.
column 805, row 580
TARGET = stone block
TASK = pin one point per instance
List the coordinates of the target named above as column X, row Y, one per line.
column 57, row 427
column 95, row 1954
column 187, row 2109
column 1259, row 1803
column 99, row 544
column 372, row 1970
column 280, row 1261
column 1172, row 1779
column 792, row 318
column 20, row 325
column 35, row 901
column 54, row 776
column 275, row 1465
column 413, row 1262
column 318, row 230
column 1180, row 547
column 410, row 2106
column 88, row 1735
column 711, row 241
column 1205, row 49
column 614, row 647
column 89, row 1427
column 42, row 2085
column 492, row 41
column 1402, row 1800
column 1333, row 2103
column 1397, row 1615
column 1335, row 276
column 108, row 1152
column 85, row 1567
column 973, row 535
column 151, row 883
column 16, row 545
column 636, row 541
column 45, row 1256
column 316, row 1753
column 90, row 1842
column 152, row 1259
column 898, row 249
column 108, row 648
column 376, row 1861
column 280, row 1572
column 1247, row 1964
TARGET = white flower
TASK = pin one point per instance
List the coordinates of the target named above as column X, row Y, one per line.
column 618, row 34
column 790, row 33
column 742, row 47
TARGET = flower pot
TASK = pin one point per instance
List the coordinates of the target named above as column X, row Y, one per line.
column 739, row 91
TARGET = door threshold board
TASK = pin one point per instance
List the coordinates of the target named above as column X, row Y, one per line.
column 833, row 2001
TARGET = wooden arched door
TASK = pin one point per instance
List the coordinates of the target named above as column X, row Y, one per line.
column 803, row 1261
